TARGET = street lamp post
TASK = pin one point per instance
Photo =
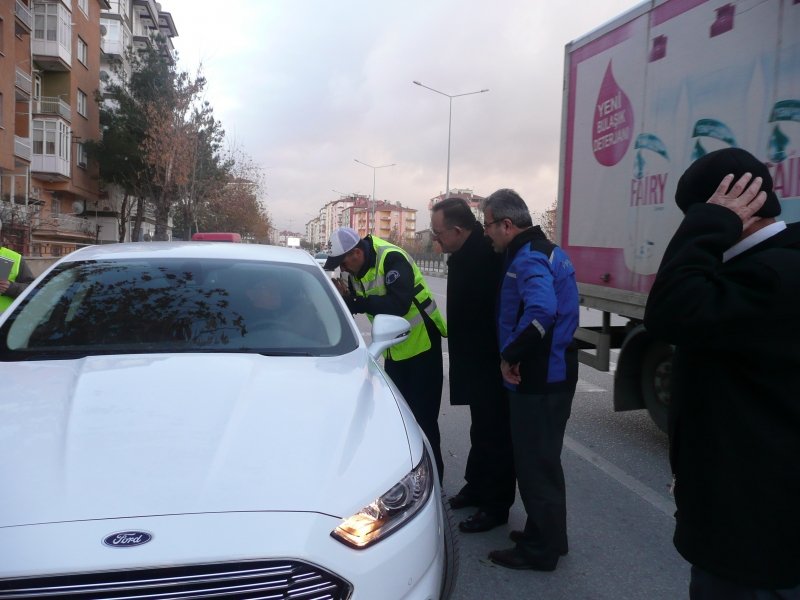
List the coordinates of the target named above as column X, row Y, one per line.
column 374, row 169
column 449, row 123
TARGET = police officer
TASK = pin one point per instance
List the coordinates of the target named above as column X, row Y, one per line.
column 384, row 280
column 19, row 278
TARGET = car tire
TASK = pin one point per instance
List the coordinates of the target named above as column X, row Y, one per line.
column 452, row 553
column 656, row 382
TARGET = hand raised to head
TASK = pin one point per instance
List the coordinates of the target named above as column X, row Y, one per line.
column 743, row 200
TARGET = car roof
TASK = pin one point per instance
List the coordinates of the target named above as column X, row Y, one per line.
column 190, row 250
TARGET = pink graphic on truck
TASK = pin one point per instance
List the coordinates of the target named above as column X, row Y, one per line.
column 612, row 123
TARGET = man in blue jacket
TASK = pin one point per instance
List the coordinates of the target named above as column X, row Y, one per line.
column 537, row 314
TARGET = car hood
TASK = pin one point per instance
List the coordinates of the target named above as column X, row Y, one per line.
column 108, row 437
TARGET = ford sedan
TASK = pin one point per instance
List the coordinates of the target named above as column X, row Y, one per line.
column 200, row 420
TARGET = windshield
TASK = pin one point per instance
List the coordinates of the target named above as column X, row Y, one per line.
column 177, row 305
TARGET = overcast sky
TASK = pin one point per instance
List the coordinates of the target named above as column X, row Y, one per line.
column 307, row 86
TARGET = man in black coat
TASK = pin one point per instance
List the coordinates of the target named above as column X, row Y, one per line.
column 474, row 273
column 727, row 295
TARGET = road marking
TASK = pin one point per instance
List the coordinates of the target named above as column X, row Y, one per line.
column 637, row 487
column 585, row 386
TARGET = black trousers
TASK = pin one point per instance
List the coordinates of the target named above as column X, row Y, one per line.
column 538, row 423
column 490, row 477
column 705, row 586
column 420, row 379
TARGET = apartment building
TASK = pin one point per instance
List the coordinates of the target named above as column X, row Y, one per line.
column 312, row 233
column 467, row 194
column 392, row 221
column 16, row 89
column 127, row 25
column 50, row 53
column 58, row 54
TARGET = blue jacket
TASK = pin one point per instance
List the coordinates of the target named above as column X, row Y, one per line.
column 537, row 314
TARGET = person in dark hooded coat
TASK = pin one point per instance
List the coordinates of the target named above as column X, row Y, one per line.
column 726, row 295
column 474, row 273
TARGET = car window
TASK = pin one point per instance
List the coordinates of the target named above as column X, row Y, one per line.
column 320, row 256
column 177, row 305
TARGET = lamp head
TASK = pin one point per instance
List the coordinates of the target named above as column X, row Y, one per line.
column 417, row 82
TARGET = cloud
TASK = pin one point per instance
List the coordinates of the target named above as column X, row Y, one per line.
column 307, row 87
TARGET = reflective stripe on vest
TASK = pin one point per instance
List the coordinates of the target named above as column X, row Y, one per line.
column 5, row 301
column 374, row 284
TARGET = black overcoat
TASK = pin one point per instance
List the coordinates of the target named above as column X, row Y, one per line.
column 734, row 422
column 473, row 282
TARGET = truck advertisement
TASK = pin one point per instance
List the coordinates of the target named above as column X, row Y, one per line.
column 645, row 96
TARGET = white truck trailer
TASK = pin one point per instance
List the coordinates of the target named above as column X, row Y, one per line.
column 645, row 96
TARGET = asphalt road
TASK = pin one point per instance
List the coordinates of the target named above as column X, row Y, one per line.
column 620, row 519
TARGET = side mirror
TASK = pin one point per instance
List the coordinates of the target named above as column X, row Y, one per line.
column 387, row 331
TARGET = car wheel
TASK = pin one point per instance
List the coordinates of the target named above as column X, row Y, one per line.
column 452, row 554
column 656, row 382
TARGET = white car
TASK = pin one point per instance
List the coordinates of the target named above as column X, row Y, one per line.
column 201, row 420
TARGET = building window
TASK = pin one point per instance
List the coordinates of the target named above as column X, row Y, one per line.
column 81, row 103
column 81, row 156
column 52, row 24
column 83, row 52
column 84, row 6
column 1, row 110
column 37, row 87
column 2, row 28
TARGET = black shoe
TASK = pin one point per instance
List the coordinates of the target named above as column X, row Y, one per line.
column 511, row 560
column 481, row 521
column 517, row 536
column 461, row 501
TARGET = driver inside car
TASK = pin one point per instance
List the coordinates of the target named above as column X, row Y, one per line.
column 279, row 305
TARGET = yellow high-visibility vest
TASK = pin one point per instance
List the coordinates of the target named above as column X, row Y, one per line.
column 6, row 301
column 374, row 284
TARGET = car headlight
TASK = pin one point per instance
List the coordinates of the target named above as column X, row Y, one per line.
column 391, row 511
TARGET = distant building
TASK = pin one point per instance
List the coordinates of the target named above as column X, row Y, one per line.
column 281, row 238
column 392, row 221
column 472, row 199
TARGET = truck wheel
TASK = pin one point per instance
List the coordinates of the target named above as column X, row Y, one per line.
column 656, row 381
column 452, row 556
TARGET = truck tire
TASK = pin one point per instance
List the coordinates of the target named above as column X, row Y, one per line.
column 452, row 554
column 656, row 382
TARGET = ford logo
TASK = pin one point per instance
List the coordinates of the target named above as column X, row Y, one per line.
column 127, row 539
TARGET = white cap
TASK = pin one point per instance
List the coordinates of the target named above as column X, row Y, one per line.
column 342, row 240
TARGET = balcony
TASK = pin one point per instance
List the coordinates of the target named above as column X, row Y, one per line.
column 166, row 25
column 147, row 11
column 47, row 105
column 23, row 13
column 117, row 7
column 22, row 147
column 77, row 224
column 23, row 81
column 102, row 44
column 54, row 166
column 142, row 42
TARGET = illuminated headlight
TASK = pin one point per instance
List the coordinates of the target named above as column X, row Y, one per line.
column 391, row 511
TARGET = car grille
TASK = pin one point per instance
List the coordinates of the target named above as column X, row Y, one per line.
column 252, row 580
